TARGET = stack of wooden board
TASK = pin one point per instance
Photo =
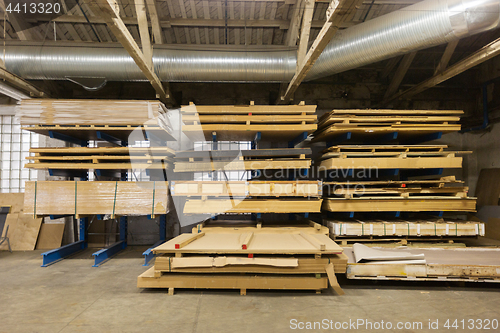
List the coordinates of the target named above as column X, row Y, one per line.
column 82, row 119
column 469, row 264
column 233, row 160
column 96, row 197
column 234, row 122
column 366, row 123
column 104, row 158
column 296, row 258
column 390, row 157
column 394, row 228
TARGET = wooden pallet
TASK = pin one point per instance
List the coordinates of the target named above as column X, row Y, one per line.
column 390, row 157
column 100, row 158
column 405, row 228
column 88, row 111
column 97, row 197
column 457, row 264
column 298, row 188
column 244, row 205
column 399, row 204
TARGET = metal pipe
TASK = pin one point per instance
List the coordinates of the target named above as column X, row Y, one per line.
column 423, row 25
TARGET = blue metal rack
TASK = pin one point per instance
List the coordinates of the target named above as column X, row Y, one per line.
column 148, row 254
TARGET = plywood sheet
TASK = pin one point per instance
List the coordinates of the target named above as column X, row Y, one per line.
column 246, row 109
column 13, row 200
column 50, row 236
column 23, row 232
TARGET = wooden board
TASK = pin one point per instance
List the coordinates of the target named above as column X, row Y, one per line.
column 416, row 204
column 96, row 197
column 99, row 166
column 87, row 111
column 261, row 153
column 365, row 134
column 246, row 109
column 262, row 243
column 23, row 232
column 300, row 188
column 248, row 119
column 355, row 190
column 305, row 266
column 91, row 151
column 50, row 236
column 403, row 228
column 392, row 163
column 229, row 281
column 488, row 187
column 221, row 206
column 240, row 165
column 399, row 183
column 291, row 227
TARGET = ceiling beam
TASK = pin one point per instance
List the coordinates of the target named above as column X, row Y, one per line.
column 189, row 22
column 293, row 28
column 20, row 83
column 108, row 10
column 445, row 59
column 142, row 20
column 305, row 30
column 155, row 21
column 403, row 67
column 485, row 53
column 338, row 11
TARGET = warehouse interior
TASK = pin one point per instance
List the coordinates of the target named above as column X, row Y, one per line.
column 250, row 165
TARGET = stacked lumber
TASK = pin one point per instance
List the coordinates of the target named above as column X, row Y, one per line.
column 469, row 264
column 96, row 197
column 252, row 188
column 234, row 122
column 252, row 205
column 103, row 158
column 363, row 123
column 302, row 258
column 236, row 160
column 437, row 227
column 390, row 157
column 83, row 119
column 88, row 112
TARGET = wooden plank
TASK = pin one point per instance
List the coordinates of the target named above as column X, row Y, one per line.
column 392, row 163
column 228, row 281
column 155, row 21
column 97, row 197
column 333, row 280
column 13, row 200
column 83, row 151
column 248, row 109
column 23, row 231
column 305, row 30
column 142, row 20
column 246, row 188
column 485, row 53
column 50, row 237
column 290, row 227
column 228, row 119
column 246, row 243
column 314, row 241
column 20, row 83
column 293, row 29
column 242, row 132
column 242, row 165
column 190, row 239
column 215, row 206
column 399, row 204
column 107, row 10
column 262, row 243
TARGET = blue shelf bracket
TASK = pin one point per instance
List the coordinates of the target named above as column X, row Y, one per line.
column 111, row 139
column 68, row 138
column 53, row 256
column 256, row 140
column 163, row 227
column 339, row 139
column 383, row 138
column 103, row 255
column 149, row 255
column 300, row 138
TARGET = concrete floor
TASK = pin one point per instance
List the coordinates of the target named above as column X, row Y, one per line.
column 72, row 296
